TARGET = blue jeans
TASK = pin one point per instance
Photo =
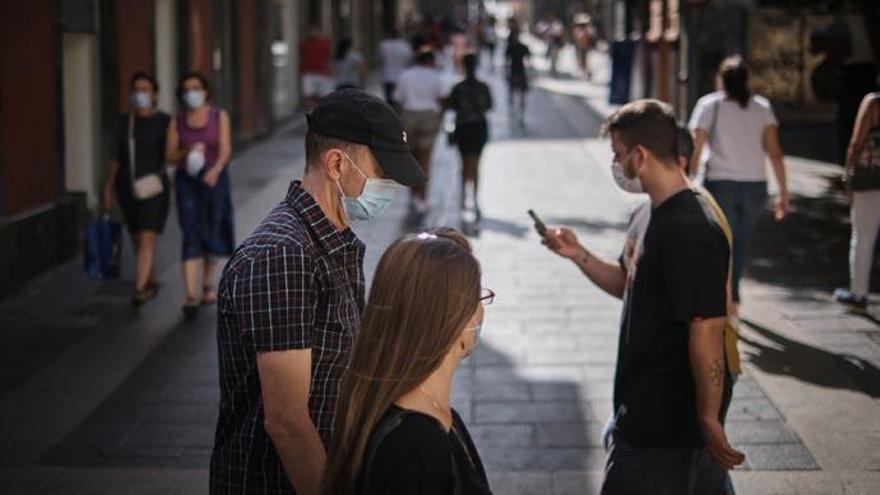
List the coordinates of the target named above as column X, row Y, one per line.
column 743, row 203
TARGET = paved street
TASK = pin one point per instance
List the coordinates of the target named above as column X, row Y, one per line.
column 97, row 400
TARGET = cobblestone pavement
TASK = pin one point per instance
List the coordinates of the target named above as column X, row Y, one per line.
column 116, row 402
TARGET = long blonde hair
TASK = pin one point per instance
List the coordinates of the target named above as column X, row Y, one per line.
column 425, row 291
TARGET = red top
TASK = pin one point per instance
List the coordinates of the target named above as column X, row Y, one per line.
column 314, row 56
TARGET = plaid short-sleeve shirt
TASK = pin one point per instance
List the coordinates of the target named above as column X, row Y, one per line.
column 296, row 283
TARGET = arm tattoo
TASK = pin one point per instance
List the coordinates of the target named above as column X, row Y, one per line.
column 716, row 373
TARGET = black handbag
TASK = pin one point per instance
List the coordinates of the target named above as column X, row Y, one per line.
column 864, row 178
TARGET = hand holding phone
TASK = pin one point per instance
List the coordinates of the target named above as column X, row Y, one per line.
column 540, row 226
column 561, row 241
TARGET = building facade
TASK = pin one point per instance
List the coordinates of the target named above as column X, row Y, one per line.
column 65, row 73
column 814, row 60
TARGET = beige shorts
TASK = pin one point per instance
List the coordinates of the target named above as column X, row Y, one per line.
column 421, row 127
column 316, row 85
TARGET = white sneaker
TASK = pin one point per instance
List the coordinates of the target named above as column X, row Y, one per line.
column 469, row 216
column 470, row 197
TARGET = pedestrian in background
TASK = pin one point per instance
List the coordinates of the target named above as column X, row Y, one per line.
column 200, row 143
column 137, row 175
column 395, row 430
column 516, row 61
column 348, row 65
column 862, row 179
column 396, row 55
column 291, row 299
column 420, row 94
column 458, row 44
column 470, row 99
column 669, row 383
column 490, row 42
column 740, row 131
column 315, row 52
column 555, row 39
column 583, row 33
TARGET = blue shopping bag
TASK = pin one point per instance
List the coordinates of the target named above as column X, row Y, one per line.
column 103, row 249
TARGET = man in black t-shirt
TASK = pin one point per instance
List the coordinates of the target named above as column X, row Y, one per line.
column 670, row 366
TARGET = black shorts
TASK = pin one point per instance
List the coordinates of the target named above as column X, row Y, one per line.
column 518, row 82
column 471, row 137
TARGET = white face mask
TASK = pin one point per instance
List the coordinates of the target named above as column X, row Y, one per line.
column 194, row 98
column 477, row 329
column 633, row 185
column 141, row 100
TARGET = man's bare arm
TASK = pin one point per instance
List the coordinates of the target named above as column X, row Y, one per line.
column 706, row 351
column 700, row 138
column 285, row 379
column 608, row 276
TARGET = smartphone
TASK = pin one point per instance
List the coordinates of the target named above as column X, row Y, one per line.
column 539, row 225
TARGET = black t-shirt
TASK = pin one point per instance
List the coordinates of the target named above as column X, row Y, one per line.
column 417, row 457
column 517, row 52
column 681, row 276
column 470, row 99
column 149, row 149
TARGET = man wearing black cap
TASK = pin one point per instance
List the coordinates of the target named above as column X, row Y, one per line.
column 291, row 297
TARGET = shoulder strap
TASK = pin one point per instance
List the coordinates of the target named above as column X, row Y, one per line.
column 710, row 132
column 131, row 144
column 875, row 111
column 717, row 108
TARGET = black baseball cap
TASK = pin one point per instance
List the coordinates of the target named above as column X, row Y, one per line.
column 356, row 116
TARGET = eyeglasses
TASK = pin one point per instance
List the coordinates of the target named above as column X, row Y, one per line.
column 487, row 297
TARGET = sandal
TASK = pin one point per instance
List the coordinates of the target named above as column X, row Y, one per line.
column 190, row 307
column 209, row 295
column 140, row 297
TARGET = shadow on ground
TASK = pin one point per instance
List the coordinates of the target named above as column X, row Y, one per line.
column 809, row 250
column 534, row 427
column 784, row 356
column 163, row 415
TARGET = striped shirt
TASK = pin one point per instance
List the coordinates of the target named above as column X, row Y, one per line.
column 296, row 283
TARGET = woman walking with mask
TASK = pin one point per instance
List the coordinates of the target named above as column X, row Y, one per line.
column 395, row 431
column 137, row 175
column 199, row 142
